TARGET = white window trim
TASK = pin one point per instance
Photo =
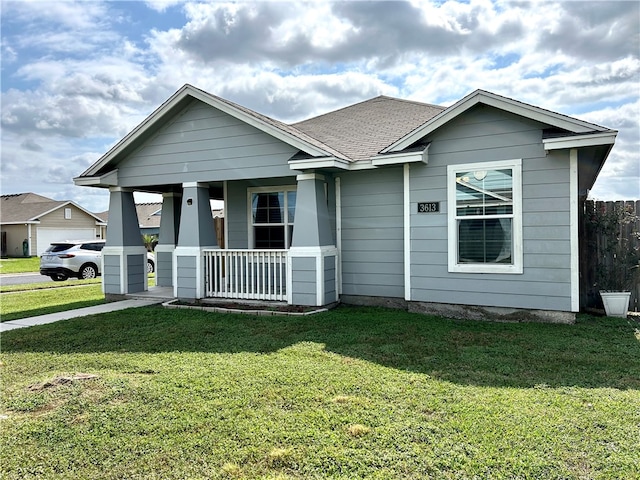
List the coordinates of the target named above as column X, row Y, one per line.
column 454, row 266
column 67, row 213
column 272, row 189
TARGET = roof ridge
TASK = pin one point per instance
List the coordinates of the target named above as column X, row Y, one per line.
column 275, row 122
column 414, row 102
column 372, row 99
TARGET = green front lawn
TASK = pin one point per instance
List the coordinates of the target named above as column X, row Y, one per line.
column 29, row 300
column 20, row 265
column 351, row 393
column 41, row 301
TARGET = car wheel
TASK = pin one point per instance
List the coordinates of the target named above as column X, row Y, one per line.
column 59, row 277
column 88, row 271
column 150, row 266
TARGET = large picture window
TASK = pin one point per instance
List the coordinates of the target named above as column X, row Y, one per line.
column 272, row 217
column 485, row 217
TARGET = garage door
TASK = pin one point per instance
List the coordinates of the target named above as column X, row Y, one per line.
column 48, row 235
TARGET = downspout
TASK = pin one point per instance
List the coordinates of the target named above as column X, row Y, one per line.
column 29, row 239
column 225, row 214
column 407, row 232
column 339, row 234
column 573, row 230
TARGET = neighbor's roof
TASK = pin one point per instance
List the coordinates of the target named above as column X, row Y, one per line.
column 30, row 207
column 150, row 214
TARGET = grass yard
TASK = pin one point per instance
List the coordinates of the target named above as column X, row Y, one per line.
column 60, row 296
column 20, row 265
column 28, row 300
column 351, row 393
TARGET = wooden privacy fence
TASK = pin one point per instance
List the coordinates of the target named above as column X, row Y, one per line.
column 609, row 250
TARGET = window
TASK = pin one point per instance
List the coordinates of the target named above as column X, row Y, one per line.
column 67, row 214
column 485, row 217
column 272, row 216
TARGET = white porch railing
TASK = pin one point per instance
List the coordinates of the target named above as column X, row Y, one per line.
column 246, row 274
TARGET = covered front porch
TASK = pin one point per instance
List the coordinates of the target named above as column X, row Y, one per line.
column 291, row 214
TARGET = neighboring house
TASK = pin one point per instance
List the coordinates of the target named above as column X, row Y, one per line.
column 149, row 215
column 386, row 201
column 33, row 221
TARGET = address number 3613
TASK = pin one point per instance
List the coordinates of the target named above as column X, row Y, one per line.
column 428, row 207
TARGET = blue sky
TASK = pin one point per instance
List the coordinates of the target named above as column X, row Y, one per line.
column 79, row 75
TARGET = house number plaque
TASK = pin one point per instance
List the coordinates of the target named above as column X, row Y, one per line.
column 428, row 207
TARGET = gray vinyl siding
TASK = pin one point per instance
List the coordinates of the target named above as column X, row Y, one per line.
column 236, row 208
column 372, row 232
column 187, row 280
column 164, row 269
column 136, row 273
column 330, row 294
column 486, row 134
column 111, row 274
column 204, row 144
column 303, row 290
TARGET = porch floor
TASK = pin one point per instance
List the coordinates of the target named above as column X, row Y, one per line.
column 162, row 293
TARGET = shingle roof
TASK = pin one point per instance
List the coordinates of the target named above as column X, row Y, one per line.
column 25, row 207
column 146, row 216
column 289, row 128
column 145, row 211
column 362, row 130
column 29, row 207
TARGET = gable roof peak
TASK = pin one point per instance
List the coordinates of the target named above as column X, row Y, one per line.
column 501, row 102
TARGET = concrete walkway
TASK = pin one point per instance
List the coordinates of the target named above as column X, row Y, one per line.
column 79, row 312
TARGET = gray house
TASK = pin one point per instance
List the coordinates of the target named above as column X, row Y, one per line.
column 472, row 207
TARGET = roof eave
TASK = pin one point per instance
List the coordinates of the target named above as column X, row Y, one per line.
column 96, row 218
column 487, row 98
column 109, row 179
column 400, row 158
column 578, row 141
column 21, row 222
column 178, row 99
column 324, row 162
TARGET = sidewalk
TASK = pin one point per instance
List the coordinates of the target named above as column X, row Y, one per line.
column 79, row 312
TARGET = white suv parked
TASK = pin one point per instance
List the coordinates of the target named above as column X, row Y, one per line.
column 81, row 259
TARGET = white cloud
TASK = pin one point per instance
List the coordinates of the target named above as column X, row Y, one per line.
column 77, row 77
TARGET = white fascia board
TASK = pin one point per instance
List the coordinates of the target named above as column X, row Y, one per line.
column 513, row 106
column 578, row 141
column 58, row 207
column 267, row 128
column 97, row 219
column 401, row 158
column 109, row 179
column 324, row 162
column 145, row 125
column 24, row 222
column 181, row 95
column 86, row 181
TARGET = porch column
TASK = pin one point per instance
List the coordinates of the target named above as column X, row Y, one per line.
column 167, row 238
column 124, row 257
column 313, row 256
column 196, row 233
